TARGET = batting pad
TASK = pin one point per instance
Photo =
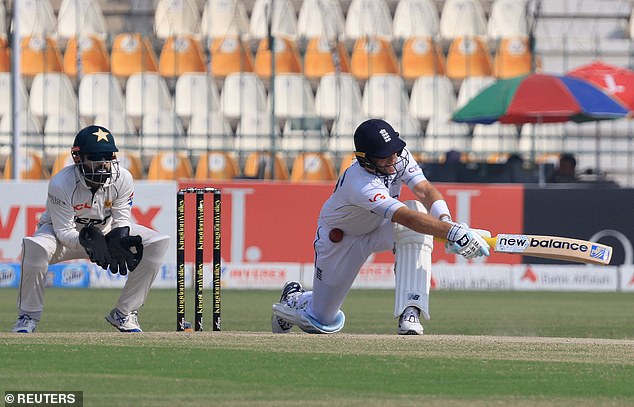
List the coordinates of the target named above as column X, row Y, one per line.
column 412, row 268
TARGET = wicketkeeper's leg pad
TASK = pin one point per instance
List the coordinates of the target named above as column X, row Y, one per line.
column 412, row 268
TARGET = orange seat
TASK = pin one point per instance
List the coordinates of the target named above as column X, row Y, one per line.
column 229, row 55
column 180, row 55
column 319, row 58
column 217, row 165
column 5, row 55
column 468, row 56
column 93, row 56
column 32, row 167
column 421, row 57
column 287, row 58
column 258, row 165
column 313, row 167
column 62, row 160
column 40, row 54
column 169, row 166
column 132, row 53
column 372, row 56
column 346, row 162
column 513, row 58
column 131, row 160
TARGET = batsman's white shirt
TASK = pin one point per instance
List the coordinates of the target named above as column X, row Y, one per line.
column 362, row 206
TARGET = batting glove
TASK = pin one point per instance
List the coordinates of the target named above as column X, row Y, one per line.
column 465, row 242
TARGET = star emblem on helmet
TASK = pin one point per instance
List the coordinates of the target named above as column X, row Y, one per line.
column 101, row 135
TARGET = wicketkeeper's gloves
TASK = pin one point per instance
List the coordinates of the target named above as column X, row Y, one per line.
column 126, row 251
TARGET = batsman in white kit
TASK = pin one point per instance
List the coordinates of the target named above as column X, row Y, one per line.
column 88, row 215
column 364, row 216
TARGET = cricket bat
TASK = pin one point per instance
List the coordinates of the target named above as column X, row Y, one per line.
column 552, row 247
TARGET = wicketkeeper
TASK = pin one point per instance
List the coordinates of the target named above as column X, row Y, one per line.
column 364, row 216
column 88, row 215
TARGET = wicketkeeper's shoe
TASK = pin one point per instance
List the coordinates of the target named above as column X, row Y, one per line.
column 124, row 323
column 24, row 325
column 409, row 322
column 280, row 325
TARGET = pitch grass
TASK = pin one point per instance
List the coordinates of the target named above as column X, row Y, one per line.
column 482, row 348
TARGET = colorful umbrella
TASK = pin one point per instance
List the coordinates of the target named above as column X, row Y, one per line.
column 616, row 81
column 540, row 98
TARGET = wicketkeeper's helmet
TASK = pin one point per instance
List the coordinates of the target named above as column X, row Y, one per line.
column 94, row 154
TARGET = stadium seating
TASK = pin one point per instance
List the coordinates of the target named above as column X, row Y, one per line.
column 195, row 94
column 508, row 19
column 421, row 56
column 226, row 18
column 320, row 19
column 32, row 166
column 5, row 55
column 293, row 97
column 179, row 55
column 78, row 18
column 371, row 56
column 37, row 18
column 259, row 165
column 313, row 167
column 169, row 166
column 324, row 56
column 86, row 55
column 415, row 18
column 337, row 94
column 40, row 54
column 368, row 18
column 99, row 93
column 283, row 21
column 512, row 58
column 176, row 18
column 242, row 93
column 229, row 55
column 432, row 96
column 209, row 131
column 146, row 92
column 6, row 86
column 468, row 56
column 217, row 165
column 132, row 53
column 50, row 93
column 287, row 59
column 462, row 18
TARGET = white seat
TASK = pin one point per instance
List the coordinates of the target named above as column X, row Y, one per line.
column 368, row 18
column 284, row 20
column 195, row 93
column 320, row 18
column 337, row 94
column 36, row 18
column 242, row 93
column 80, row 17
column 224, row 18
column 461, row 18
column 51, row 92
column 508, row 19
column 342, row 133
column 30, row 129
column 304, row 134
column 495, row 138
column 385, row 95
column 209, row 131
column 471, row 86
column 119, row 124
column 146, row 92
column 60, row 130
column 432, row 96
column 99, row 93
column 443, row 135
column 408, row 127
column 254, row 132
column 176, row 17
column 293, row 96
column 162, row 129
column 416, row 18
column 6, row 86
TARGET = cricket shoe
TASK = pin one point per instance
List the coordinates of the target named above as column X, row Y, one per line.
column 124, row 323
column 24, row 325
column 280, row 325
column 409, row 322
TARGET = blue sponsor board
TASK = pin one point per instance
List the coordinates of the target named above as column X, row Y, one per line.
column 9, row 274
column 68, row 275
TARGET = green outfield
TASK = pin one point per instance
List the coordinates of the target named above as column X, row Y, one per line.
column 481, row 348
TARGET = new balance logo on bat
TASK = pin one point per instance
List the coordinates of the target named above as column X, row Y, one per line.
column 519, row 243
column 600, row 252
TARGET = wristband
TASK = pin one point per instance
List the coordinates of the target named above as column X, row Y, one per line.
column 440, row 208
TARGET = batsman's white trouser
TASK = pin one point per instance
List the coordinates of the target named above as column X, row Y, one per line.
column 412, row 266
column 337, row 265
column 43, row 249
